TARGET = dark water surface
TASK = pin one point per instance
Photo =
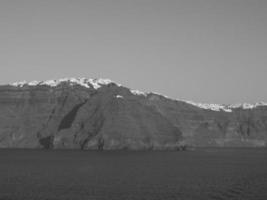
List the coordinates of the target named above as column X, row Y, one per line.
column 201, row 174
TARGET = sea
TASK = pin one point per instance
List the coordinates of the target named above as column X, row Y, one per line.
column 202, row 173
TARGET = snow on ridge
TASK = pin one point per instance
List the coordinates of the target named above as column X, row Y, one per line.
column 95, row 83
column 139, row 93
column 207, row 106
column 247, row 105
column 32, row 83
column 261, row 103
column 226, row 108
column 19, row 84
column 242, row 105
column 160, row 95
column 214, row 107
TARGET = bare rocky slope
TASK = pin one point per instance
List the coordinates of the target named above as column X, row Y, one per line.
column 100, row 114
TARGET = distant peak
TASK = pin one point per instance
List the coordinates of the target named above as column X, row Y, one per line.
column 227, row 108
column 208, row 106
column 85, row 82
column 247, row 105
column 99, row 82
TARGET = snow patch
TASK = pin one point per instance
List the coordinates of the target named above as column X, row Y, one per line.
column 247, row 105
column 97, row 83
column 137, row 92
column 214, row 107
column 227, row 108
column 119, row 97
column 88, row 83
column 19, row 84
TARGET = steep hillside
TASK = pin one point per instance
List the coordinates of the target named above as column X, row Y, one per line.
column 100, row 114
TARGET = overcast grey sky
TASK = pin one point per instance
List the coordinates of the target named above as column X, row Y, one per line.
column 202, row 50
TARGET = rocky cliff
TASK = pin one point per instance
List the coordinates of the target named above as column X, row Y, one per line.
column 100, row 114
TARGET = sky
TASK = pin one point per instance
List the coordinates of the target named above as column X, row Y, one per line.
column 211, row 51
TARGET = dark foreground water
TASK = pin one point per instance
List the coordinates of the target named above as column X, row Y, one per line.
column 201, row 174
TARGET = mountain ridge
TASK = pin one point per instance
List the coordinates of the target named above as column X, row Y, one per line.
column 101, row 114
column 97, row 82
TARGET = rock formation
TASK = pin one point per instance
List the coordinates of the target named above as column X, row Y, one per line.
column 100, row 114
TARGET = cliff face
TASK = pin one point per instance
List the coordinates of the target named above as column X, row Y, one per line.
column 113, row 117
column 201, row 127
